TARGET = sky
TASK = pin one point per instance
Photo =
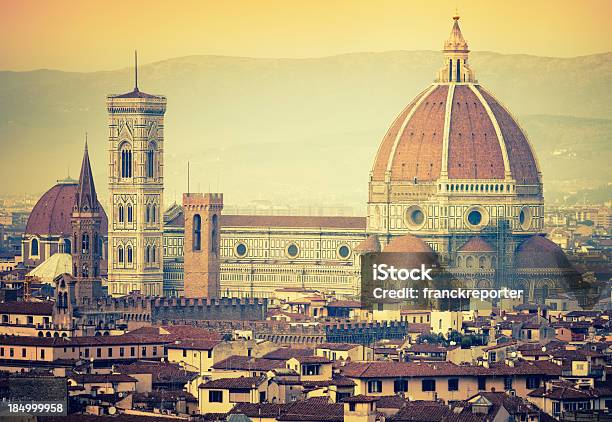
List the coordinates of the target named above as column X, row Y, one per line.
column 76, row 35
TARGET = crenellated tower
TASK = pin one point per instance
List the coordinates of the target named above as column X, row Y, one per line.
column 136, row 187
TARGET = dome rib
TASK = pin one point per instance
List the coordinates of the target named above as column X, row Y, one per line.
column 521, row 155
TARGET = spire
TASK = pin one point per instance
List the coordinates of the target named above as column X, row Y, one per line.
column 135, row 70
column 455, row 41
column 86, row 198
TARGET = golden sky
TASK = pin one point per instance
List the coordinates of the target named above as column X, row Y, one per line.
column 88, row 35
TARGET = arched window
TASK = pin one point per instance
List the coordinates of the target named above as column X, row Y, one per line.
column 67, row 246
column 129, row 254
column 153, row 213
column 151, row 160
column 120, row 213
column 120, row 254
column 85, row 242
column 214, row 233
column 65, row 301
column 197, row 232
column 130, row 213
column 450, row 70
column 34, row 247
column 458, row 70
column 148, row 213
column 126, row 160
column 147, row 251
column 153, row 254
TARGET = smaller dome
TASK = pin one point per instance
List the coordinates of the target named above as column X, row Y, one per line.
column 51, row 216
column 408, row 243
column 370, row 244
column 56, row 264
column 476, row 244
column 540, row 252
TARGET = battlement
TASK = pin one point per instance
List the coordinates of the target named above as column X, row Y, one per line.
column 202, row 199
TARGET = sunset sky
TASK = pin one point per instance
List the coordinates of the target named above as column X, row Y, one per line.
column 101, row 35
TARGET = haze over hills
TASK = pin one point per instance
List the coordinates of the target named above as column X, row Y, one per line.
column 297, row 131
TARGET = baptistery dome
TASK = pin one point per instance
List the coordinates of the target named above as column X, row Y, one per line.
column 455, row 161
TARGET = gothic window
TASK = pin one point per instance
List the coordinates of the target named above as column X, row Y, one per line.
column 197, row 232
column 85, row 271
column 214, row 233
column 129, row 254
column 147, row 251
column 120, row 254
column 148, row 213
column 153, row 254
column 67, row 246
column 65, row 301
column 450, row 70
column 34, row 247
column 126, row 161
column 95, row 245
column 151, row 160
column 130, row 213
column 85, row 243
column 153, row 214
column 121, row 214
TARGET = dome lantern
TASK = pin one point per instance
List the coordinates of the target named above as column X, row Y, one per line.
column 456, row 67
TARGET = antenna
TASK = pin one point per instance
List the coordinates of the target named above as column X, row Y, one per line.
column 187, row 178
column 135, row 70
column 86, row 140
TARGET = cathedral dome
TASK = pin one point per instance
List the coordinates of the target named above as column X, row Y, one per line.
column 476, row 244
column 51, row 214
column 455, row 130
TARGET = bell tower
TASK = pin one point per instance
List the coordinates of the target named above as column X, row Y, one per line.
column 136, row 187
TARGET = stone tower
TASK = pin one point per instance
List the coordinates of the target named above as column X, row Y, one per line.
column 86, row 221
column 136, row 187
column 201, row 248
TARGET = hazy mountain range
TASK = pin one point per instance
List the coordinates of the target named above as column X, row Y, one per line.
column 298, row 131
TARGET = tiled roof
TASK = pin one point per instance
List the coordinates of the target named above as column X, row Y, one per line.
column 240, row 383
column 430, row 369
column 312, row 359
column 540, row 252
column 285, row 353
column 248, row 363
column 102, row 378
column 194, row 344
column 337, row 346
column 27, row 308
column 408, row 243
column 162, row 371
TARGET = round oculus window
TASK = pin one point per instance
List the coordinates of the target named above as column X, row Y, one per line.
column 241, row 249
column 474, row 217
column 415, row 217
column 344, row 251
column 292, row 250
column 525, row 218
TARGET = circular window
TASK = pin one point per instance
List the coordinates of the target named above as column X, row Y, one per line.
column 474, row 217
column 525, row 218
column 344, row 251
column 415, row 217
column 240, row 249
column 293, row 250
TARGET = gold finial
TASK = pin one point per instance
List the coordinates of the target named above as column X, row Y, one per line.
column 456, row 15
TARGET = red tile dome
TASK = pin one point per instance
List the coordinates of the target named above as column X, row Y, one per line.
column 540, row 252
column 476, row 244
column 51, row 214
column 463, row 134
column 408, row 243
